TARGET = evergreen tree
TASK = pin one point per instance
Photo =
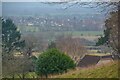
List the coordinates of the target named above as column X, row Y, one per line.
column 104, row 39
column 53, row 61
column 11, row 37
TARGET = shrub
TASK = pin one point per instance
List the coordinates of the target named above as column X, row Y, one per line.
column 53, row 61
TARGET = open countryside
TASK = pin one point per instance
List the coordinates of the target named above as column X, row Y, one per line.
column 56, row 40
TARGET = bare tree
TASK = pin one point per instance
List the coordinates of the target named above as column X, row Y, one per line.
column 112, row 24
column 25, row 65
column 33, row 43
column 71, row 46
column 30, row 44
column 18, row 65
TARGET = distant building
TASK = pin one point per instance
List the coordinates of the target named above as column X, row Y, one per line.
column 30, row 24
column 95, row 59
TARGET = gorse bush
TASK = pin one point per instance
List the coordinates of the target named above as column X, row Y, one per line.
column 53, row 61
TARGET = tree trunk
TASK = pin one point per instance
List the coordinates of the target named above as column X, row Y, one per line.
column 23, row 76
column 119, row 30
column 13, row 77
column 46, row 75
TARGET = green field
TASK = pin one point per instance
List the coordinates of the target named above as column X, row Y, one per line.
column 33, row 29
column 84, row 33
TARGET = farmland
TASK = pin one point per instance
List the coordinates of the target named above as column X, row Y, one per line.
column 28, row 29
column 76, row 34
column 84, row 33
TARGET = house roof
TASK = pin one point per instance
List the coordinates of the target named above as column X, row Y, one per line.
column 90, row 59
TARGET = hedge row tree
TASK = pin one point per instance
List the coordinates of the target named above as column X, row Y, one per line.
column 111, row 33
column 53, row 61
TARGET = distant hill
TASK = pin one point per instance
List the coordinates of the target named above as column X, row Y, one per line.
column 35, row 8
column 53, row 16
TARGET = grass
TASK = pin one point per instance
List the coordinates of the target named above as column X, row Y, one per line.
column 110, row 70
column 74, row 33
column 84, row 33
column 99, row 54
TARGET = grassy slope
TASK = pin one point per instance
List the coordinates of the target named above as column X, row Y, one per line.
column 109, row 70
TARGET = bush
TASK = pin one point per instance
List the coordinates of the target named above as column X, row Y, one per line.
column 53, row 61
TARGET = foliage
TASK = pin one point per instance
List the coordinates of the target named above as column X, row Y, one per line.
column 53, row 61
column 52, row 45
column 104, row 39
column 34, row 58
column 10, row 36
column 111, row 32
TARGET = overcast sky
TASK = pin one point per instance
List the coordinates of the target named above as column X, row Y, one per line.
column 30, row 8
column 37, row 1
column 58, row 0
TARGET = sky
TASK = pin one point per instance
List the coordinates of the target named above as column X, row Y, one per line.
column 73, row 1
column 0, row 10
column 58, row 0
column 28, row 8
